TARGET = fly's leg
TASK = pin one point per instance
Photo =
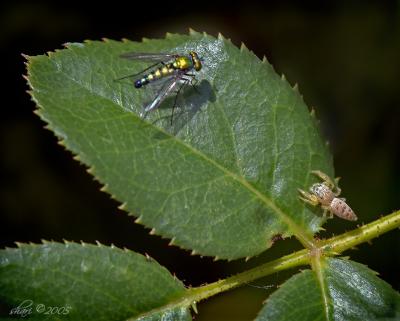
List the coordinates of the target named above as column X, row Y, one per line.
column 143, row 114
column 193, row 82
column 186, row 81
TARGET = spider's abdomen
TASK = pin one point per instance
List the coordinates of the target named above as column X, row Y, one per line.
column 342, row 210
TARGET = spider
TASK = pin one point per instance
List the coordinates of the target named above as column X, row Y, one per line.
column 325, row 194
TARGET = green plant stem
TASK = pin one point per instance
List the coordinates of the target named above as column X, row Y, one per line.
column 317, row 261
column 286, row 262
column 329, row 247
column 362, row 234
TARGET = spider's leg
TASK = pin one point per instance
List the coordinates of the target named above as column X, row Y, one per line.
column 308, row 198
column 325, row 178
column 327, row 209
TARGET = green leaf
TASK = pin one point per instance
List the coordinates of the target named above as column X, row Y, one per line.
column 87, row 282
column 351, row 292
column 221, row 180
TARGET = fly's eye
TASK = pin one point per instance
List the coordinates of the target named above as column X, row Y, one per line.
column 196, row 60
column 197, row 65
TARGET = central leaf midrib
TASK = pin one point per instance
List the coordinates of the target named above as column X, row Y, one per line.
column 296, row 229
column 316, row 264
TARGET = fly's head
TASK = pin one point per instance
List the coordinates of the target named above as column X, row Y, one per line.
column 196, row 61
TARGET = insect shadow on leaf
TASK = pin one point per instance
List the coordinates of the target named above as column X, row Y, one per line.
column 186, row 105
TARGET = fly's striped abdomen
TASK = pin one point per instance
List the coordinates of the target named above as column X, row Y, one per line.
column 342, row 210
column 172, row 69
column 164, row 71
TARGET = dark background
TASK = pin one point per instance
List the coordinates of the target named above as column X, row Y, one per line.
column 344, row 55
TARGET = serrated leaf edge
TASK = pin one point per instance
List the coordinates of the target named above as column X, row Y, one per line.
column 182, row 302
column 305, row 238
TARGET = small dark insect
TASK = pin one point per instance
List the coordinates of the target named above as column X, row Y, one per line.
column 174, row 70
column 323, row 194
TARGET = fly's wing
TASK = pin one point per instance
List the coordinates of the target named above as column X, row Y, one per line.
column 141, row 73
column 151, row 57
column 157, row 58
column 167, row 88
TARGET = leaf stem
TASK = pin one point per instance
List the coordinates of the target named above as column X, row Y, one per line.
column 317, row 261
column 329, row 247
column 289, row 261
column 362, row 234
column 314, row 257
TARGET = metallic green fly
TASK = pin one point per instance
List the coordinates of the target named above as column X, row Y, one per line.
column 171, row 71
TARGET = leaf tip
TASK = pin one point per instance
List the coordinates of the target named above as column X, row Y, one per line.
column 194, row 307
column 61, row 142
column 19, row 244
column 26, row 57
column 123, row 207
column 50, row 54
column 104, row 188
column 221, row 36
column 243, row 47
column 139, row 220
column 153, row 231
column 192, row 32
column 172, row 241
column 37, row 112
